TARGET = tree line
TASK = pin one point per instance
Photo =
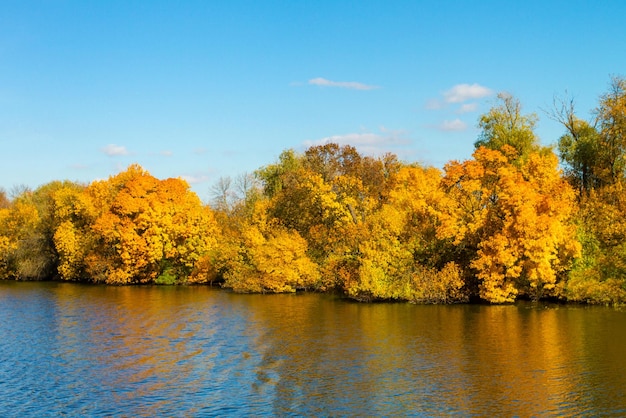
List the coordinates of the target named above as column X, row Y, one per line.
column 516, row 220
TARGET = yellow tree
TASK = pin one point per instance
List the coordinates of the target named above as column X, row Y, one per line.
column 17, row 224
column 383, row 261
column 32, row 224
column 259, row 255
column 327, row 195
column 417, row 195
column 74, row 214
column 435, row 274
column 514, row 222
column 600, row 275
column 396, row 252
column 308, row 205
column 147, row 230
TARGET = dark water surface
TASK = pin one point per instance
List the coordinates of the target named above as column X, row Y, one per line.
column 80, row 350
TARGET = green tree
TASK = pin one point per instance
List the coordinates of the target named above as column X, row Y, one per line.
column 273, row 176
column 580, row 150
column 505, row 124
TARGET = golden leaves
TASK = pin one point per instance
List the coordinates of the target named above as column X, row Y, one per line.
column 518, row 219
column 262, row 256
column 145, row 228
column 494, row 226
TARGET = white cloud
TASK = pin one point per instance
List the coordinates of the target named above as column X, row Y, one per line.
column 166, row 153
column 464, row 92
column 366, row 142
column 343, row 84
column 467, row 107
column 458, row 95
column 452, row 125
column 113, row 150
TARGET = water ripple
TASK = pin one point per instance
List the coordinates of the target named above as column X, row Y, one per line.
column 76, row 350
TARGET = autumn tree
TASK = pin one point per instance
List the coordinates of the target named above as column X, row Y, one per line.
column 514, row 222
column 594, row 154
column 31, row 225
column 327, row 195
column 258, row 255
column 384, row 263
column 18, row 230
column 599, row 276
column 74, row 213
column 334, row 163
column 611, row 114
column 5, row 245
column 147, row 230
column 418, row 195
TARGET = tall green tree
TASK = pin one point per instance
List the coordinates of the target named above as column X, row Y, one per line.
column 505, row 124
column 594, row 153
column 580, row 149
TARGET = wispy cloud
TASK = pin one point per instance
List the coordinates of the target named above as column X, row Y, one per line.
column 458, row 95
column 460, row 99
column 166, row 153
column 342, row 84
column 113, row 150
column 464, row 92
column 452, row 125
column 467, row 108
column 371, row 143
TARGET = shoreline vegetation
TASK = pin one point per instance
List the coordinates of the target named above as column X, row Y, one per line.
column 515, row 221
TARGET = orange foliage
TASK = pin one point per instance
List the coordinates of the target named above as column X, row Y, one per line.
column 517, row 220
column 148, row 230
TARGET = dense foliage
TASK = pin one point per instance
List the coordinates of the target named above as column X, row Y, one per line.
column 508, row 223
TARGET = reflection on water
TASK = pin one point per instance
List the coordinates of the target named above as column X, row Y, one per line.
column 195, row 351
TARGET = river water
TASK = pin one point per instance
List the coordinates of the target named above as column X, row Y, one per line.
column 82, row 350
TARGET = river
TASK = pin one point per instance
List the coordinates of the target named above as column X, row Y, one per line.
column 85, row 350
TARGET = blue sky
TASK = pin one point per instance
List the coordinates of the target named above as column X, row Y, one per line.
column 204, row 89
